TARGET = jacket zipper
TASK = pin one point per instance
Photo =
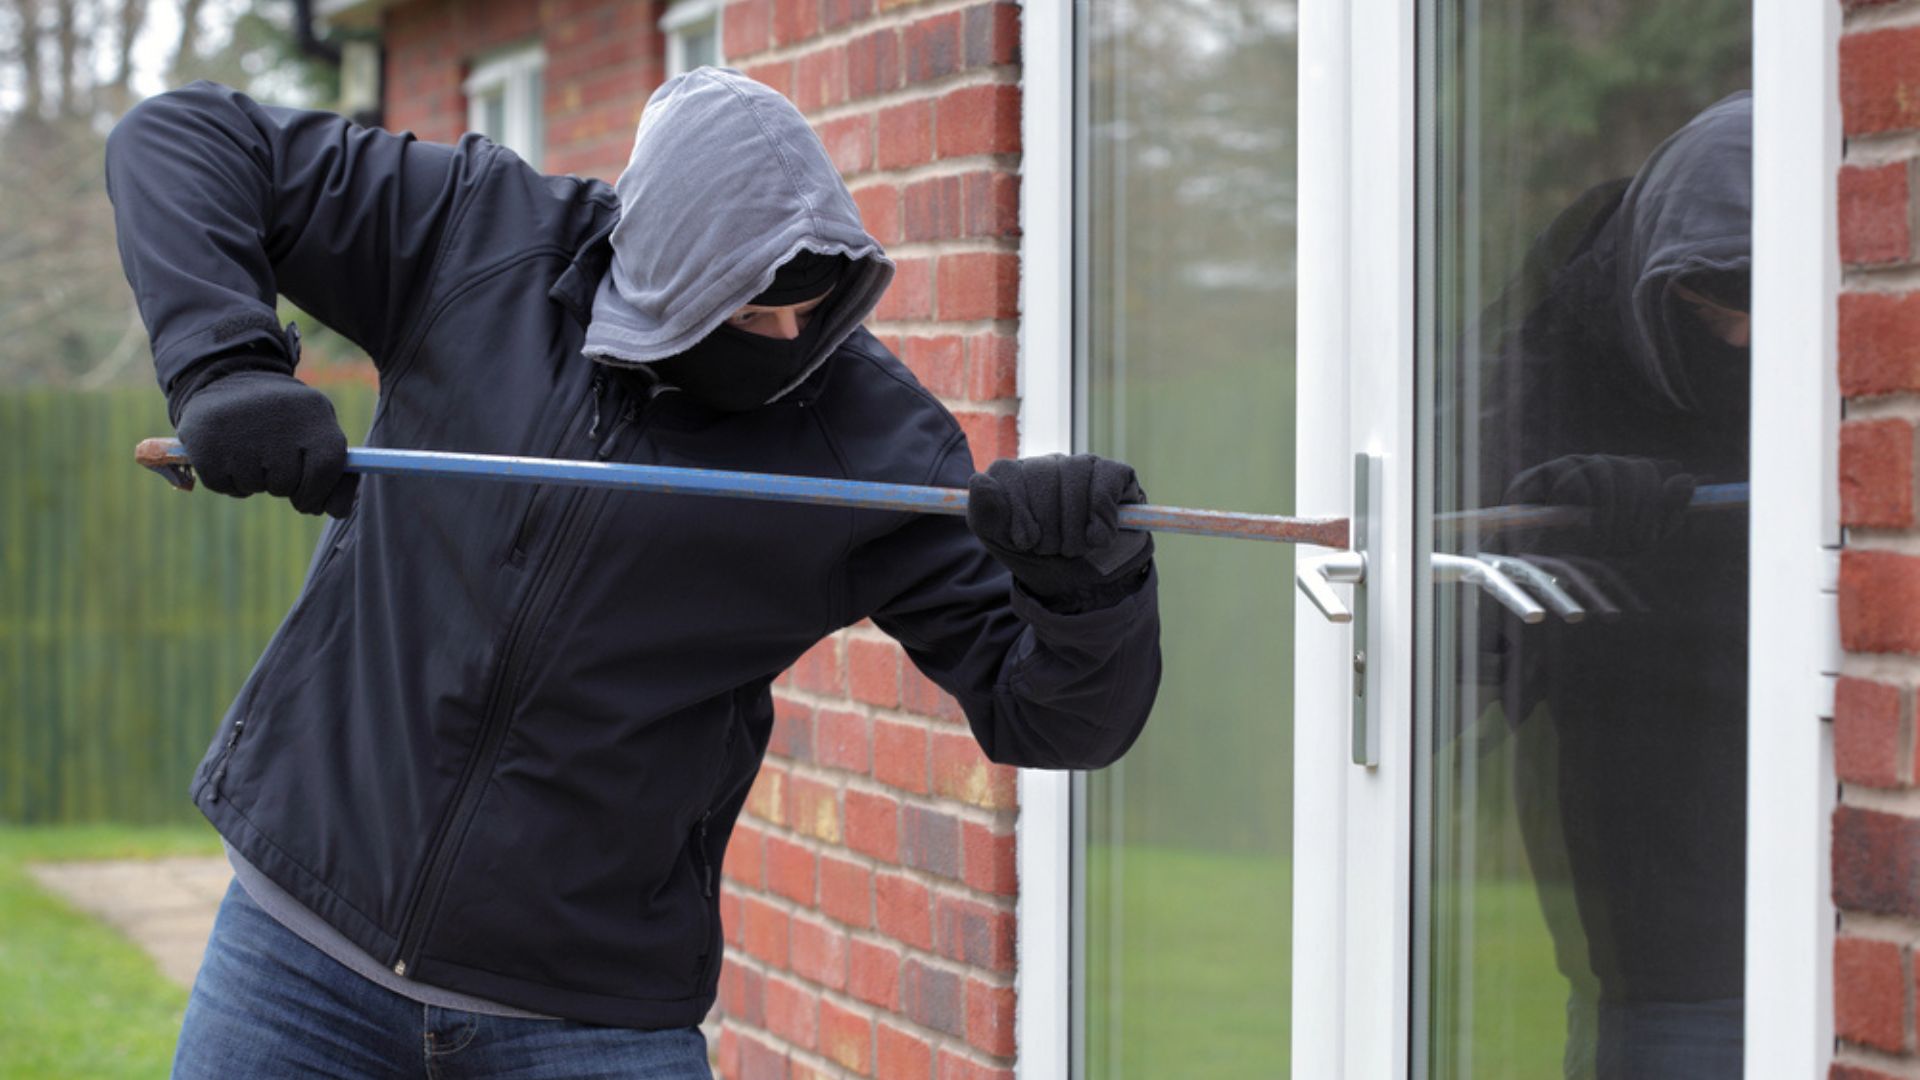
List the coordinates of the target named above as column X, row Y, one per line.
column 523, row 532
column 493, row 728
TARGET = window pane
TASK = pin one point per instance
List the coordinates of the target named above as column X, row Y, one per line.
column 1584, row 259
column 700, row 45
column 1186, row 315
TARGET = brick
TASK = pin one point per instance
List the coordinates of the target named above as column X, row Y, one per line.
column 746, row 856
column 792, row 730
column 1880, row 80
column 761, row 1061
column 990, row 860
column 849, row 143
column 1866, row 732
column 911, row 295
column 767, row 798
column 820, row 79
column 879, row 206
column 818, row 670
column 793, row 1012
column 766, row 930
column 1879, row 591
column 1876, row 473
column 875, row 667
column 873, row 63
column 993, row 369
column 933, row 47
column 733, row 924
column 873, row 825
column 841, row 741
column 992, row 205
column 846, row 891
column 1876, row 862
column 743, row 994
column 930, row 841
column 819, row 952
column 1842, row 1071
column 961, row 771
column 902, row 1055
column 991, row 35
column 873, row 974
column 931, row 209
column 979, row 120
column 906, row 135
column 900, row 755
column 727, row 1054
column 940, row 363
column 904, row 910
column 746, row 28
column 922, row 695
column 1879, row 343
column 1869, row 993
column 973, row 933
column 790, row 870
column 795, row 21
column 954, row 1067
column 990, row 436
column 779, row 74
column 1874, row 214
column 979, row 285
column 813, row 809
column 990, row 1018
column 846, row 1038
column 837, row 13
column 933, row 998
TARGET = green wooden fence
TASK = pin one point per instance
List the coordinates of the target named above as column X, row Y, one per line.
column 129, row 613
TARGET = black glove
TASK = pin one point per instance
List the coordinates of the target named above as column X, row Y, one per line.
column 1053, row 521
column 249, row 426
column 1634, row 503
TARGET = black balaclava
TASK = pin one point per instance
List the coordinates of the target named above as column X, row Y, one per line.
column 734, row 370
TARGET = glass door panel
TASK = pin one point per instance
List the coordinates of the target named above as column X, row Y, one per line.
column 1184, row 329
column 1583, row 263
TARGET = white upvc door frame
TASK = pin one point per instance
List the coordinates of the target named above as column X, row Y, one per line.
column 1352, row 845
column 1353, row 859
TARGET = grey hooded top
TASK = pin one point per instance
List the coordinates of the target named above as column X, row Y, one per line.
column 726, row 182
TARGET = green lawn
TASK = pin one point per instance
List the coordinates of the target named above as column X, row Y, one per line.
column 76, row 999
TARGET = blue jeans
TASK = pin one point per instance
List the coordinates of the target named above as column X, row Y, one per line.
column 267, row 1004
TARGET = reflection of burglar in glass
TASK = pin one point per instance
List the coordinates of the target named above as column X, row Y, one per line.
column 1620, row 391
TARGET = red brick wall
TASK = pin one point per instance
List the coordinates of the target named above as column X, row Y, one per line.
column 870, row 887
column 604, row 57
column 869, row 890
column 1876, row 829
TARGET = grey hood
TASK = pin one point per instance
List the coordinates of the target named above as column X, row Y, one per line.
column 1688, row 211
column 726, row 182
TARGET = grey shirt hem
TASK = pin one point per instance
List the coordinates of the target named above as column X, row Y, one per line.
column 315, row 931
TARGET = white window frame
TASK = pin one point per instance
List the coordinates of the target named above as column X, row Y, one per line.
column 515, row 75
column 685, row 15
column 1353, row 897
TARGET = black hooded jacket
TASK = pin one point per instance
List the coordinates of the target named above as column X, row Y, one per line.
column 1639, row 799
column 502, row 737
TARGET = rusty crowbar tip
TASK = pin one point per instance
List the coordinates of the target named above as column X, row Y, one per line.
column 169, row 459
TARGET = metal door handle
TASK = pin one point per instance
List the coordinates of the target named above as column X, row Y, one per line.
column 1558, row 599
column 1315, row 576
column 1474, row 572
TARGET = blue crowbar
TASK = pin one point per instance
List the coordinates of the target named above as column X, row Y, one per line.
column 168, row 458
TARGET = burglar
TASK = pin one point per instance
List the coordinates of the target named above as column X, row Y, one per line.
column 478, row 788
column 1624, row 389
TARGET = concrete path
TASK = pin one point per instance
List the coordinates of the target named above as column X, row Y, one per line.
column 165, row 905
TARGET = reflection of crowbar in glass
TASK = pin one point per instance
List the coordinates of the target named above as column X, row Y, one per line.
column 169, row 459
column 1491, row 519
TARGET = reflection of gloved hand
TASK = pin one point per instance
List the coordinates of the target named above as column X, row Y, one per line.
column 256, row 429
column 1634, row 503
column 1053, row 521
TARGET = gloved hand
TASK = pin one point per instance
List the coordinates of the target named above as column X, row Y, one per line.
column 1634, row 503
column 256, row 429
column 1053, row 522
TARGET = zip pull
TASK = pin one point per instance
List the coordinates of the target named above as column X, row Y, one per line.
column 599, row 388
column 220, row 774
